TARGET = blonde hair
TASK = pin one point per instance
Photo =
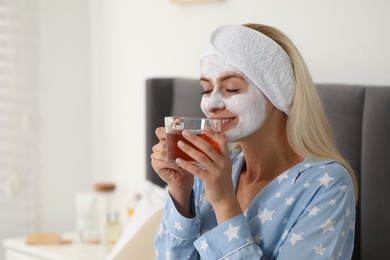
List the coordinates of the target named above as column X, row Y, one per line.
column 308, row 130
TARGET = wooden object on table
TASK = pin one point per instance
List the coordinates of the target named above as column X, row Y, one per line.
column 104, row 187
column 45, row 238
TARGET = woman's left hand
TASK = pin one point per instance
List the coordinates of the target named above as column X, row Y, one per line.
column 216, row 172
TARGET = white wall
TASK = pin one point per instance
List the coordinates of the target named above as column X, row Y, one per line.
column 64, row 107
column 342, row 41
column 92, row 78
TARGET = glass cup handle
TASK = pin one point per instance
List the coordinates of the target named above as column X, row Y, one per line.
column 177, row 125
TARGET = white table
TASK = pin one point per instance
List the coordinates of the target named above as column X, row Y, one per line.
column 17, row 249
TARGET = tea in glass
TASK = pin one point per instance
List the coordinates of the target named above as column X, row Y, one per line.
column 174, row 127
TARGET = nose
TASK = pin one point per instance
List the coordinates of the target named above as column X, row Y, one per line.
column 216, row 101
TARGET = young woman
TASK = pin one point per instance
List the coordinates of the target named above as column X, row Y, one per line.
column 285, row 192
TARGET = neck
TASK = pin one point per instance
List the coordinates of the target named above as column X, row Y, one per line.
column 267, row 151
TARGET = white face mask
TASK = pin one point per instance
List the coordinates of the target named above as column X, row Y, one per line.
column 249, row 107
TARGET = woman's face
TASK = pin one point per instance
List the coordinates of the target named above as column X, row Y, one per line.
column 230, row 95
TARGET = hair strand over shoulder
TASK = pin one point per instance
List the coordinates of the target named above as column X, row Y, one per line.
column 308, row 130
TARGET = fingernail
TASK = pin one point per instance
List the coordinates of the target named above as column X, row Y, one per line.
column 185, row 133
column 206, row 128
column 181, row 144
column 178, row 161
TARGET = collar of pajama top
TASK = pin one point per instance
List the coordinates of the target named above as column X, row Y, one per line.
column 274, row 191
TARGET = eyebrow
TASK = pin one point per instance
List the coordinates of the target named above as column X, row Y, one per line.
column 229, row 76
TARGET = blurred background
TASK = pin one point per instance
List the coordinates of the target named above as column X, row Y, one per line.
column 72, row 84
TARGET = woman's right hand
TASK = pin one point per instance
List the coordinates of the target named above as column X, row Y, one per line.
column 179, row 182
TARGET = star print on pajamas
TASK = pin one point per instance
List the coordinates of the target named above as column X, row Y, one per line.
column 325, row 180
column 313, row 211
column 295, row 238
column 308, row 212
column 266, row 215
column 232, row 232
column 178, row 226
column 328, row 226
column 289, row 201
column 319, row 250
column 203, row 245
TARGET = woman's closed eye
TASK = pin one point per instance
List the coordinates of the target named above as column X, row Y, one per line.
column 205, row 92
column 231, row 91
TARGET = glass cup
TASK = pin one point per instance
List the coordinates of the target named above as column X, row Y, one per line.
column 174, row 125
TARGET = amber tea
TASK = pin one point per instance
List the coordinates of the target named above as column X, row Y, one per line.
column 175, row 152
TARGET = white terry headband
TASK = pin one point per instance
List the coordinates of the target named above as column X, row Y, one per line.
column 260, row 58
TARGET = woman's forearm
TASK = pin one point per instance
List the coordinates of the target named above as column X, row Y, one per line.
column 182, row 201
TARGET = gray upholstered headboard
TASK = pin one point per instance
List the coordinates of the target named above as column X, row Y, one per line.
column 360, row 122
column 165, row 97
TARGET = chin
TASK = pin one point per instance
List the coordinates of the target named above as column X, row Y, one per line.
column 232, row 135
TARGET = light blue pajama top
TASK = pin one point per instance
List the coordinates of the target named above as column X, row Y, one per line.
column 308, row 212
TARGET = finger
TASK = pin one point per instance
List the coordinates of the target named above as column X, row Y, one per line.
column 160, row 133
column 200, row 143
column 159, row 164
column 196, row 170
column 198, row 156
column 159, row 147
column 208, row 151
column 160, row 155
column 219, row 138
